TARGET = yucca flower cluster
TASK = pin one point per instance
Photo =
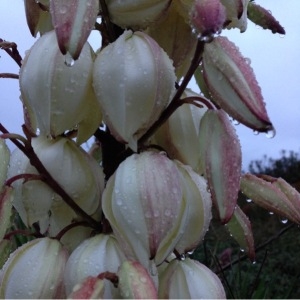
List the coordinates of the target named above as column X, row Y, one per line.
column 120, row 219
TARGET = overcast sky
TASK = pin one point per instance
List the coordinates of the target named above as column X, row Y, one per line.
column 275, row 60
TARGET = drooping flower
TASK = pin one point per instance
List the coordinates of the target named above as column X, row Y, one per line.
column 145, row 205
column 179, row 135
column 189, row 279
column 75, row 171
column 92, row 257
column 56, row 96
column 133, row 77
column 34, row 271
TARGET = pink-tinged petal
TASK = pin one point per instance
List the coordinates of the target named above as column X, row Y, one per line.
column 38, row 20
column 240, row 228
column 233, row 85
column 222, row 159
column 264, row 18
column 267, row 195
column 89, row 288
column 73, row 21
column 208, row 18
column 6, row 197
column 135, row 281
column 292, row 194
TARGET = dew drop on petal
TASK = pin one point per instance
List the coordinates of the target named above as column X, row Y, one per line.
column 69, row 61
column 271, row 133
column 284, row 221
column 249, row 200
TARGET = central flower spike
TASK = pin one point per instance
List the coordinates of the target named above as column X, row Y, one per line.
column 134, row 82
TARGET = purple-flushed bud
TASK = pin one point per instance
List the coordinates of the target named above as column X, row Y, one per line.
column 273, row 194
column 264, row 18
column 136, row 14
column 176, row 37
column 239, row 227
column 198, row 209
column 6, row 198
column 233, row 85
column 222, row 161
column 145, row 205
column 34, row 271
column 94, row 256
column 37, row 17
column 189, row 279
column 135, row 281
column 179, row 135
column 75, row 171
column 73, row 21
column 58, row 97
column 133, row 77
column 236, row 14
column 208, row 18
column 89, row 288
column 4, row 161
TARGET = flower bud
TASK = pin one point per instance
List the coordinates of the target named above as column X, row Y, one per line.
column 179, row 135
column 264, row 18
column 222, row 161
column 136, row 14
column 35, row 271
column 135, row 281
column 189, row 279
column 144, row 204
column 233, row 85
column 73, row 21
column 76, row 172
column 142, row 85
column 273, row 194
column 38, row 20
column 58, row 97
column 208, row 18
column 96, row 255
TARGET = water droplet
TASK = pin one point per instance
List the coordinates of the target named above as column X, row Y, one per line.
column 182, row 257
column 143, row 279
column 271, row 133
column 69, row 61
column 242, row 250
column 249, row 200
column 284, row 221
column 271, row 213
column 254, row 262
column 152, row 268
column 119, row 201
